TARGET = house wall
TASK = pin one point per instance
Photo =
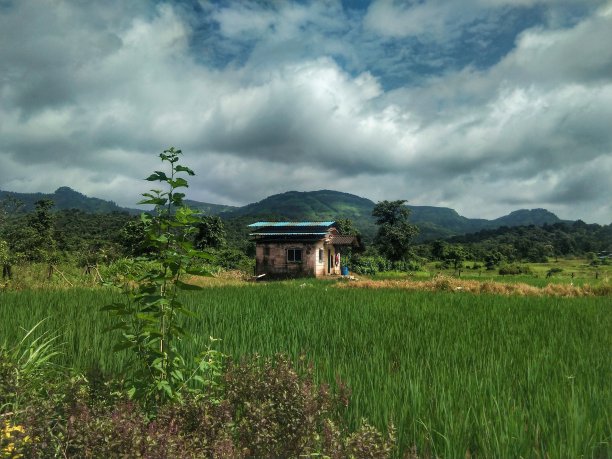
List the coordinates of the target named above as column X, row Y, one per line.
column 271, row 259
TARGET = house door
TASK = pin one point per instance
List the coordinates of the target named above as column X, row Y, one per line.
column 329, row 261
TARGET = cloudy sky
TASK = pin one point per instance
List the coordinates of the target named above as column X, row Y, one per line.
column 485, row 106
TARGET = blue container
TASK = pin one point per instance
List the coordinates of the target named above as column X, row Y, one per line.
column 344, row 270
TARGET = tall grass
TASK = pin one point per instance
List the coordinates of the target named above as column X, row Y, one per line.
column 492, row 376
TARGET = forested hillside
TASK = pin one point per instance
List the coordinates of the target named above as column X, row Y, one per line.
column 433, row 222
column 536, row 243
column 65, row 198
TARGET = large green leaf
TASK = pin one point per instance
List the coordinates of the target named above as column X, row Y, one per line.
column 180, row 168
column 154, row 201
column 157, row 176
column 178, row 182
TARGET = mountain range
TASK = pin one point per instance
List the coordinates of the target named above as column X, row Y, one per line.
column 433, row 222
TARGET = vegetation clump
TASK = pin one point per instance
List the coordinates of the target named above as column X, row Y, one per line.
column 514, row 270
column 264, row 408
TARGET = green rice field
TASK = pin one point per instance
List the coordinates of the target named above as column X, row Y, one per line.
column 459, row 375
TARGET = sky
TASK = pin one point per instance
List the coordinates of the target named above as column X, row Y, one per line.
column 484, row 106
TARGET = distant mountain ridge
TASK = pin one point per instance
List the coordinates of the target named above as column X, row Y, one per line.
column 66, row 198
column 434, row 222
column 208, row 208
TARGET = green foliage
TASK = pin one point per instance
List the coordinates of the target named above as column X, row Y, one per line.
column 449, row 254
column 438, row 249
column 149, row 318
column 374, row 264
column 553, row 271
column 132, row 238
column 24, row 368
column 535, row 244
column 456, row 255
column 369, row 265
column 493, row 259
column 346, row 226
column 514, row 270
column 407, row 266
column 232, row 259
column 35, row 240
column 210, row 234
column 95, row 238
column 395, row 234
column 123, row 270
column 5, row 255
column 266, row 409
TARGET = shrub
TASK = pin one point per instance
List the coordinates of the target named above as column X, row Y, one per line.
column 514, row 269
column 553, row 271
column 405, row 266
column 369, row 265
column 265, row 409
column 231, row 259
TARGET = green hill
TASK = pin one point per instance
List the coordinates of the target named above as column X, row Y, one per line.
column 433, row 222
column 525, row 217
column 208, row 208
column 66, row 198
column 310, row 205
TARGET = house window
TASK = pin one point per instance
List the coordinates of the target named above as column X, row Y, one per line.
column 266, row 251
column 320, row 255
column 294, row 255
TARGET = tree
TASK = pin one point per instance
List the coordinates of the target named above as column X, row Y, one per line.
column 211, row 233
column 395, row 233
column 346, row 226
column 32, row 238
column 456, row 254
column 9, row 208
column 41, row 222
column 5, row 260
column 132, row 238
column 438, row 249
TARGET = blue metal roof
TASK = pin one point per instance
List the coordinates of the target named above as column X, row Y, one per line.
column 281, row 224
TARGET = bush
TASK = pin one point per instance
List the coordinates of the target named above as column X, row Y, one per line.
column 405, row 266
column 265, row 408
column 514, row 270
column 370, row 265
column 231, row 258
column 442, row 265
column 124, row 268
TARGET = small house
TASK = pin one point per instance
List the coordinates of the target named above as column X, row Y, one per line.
column 299, row 249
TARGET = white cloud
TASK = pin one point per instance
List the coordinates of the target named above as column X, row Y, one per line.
column 441, row 20
column 87, row 98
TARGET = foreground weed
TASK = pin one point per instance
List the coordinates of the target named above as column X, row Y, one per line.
column 149, row 318
column 25, row 367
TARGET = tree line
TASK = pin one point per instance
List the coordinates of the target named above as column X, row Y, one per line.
column 47, row 236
